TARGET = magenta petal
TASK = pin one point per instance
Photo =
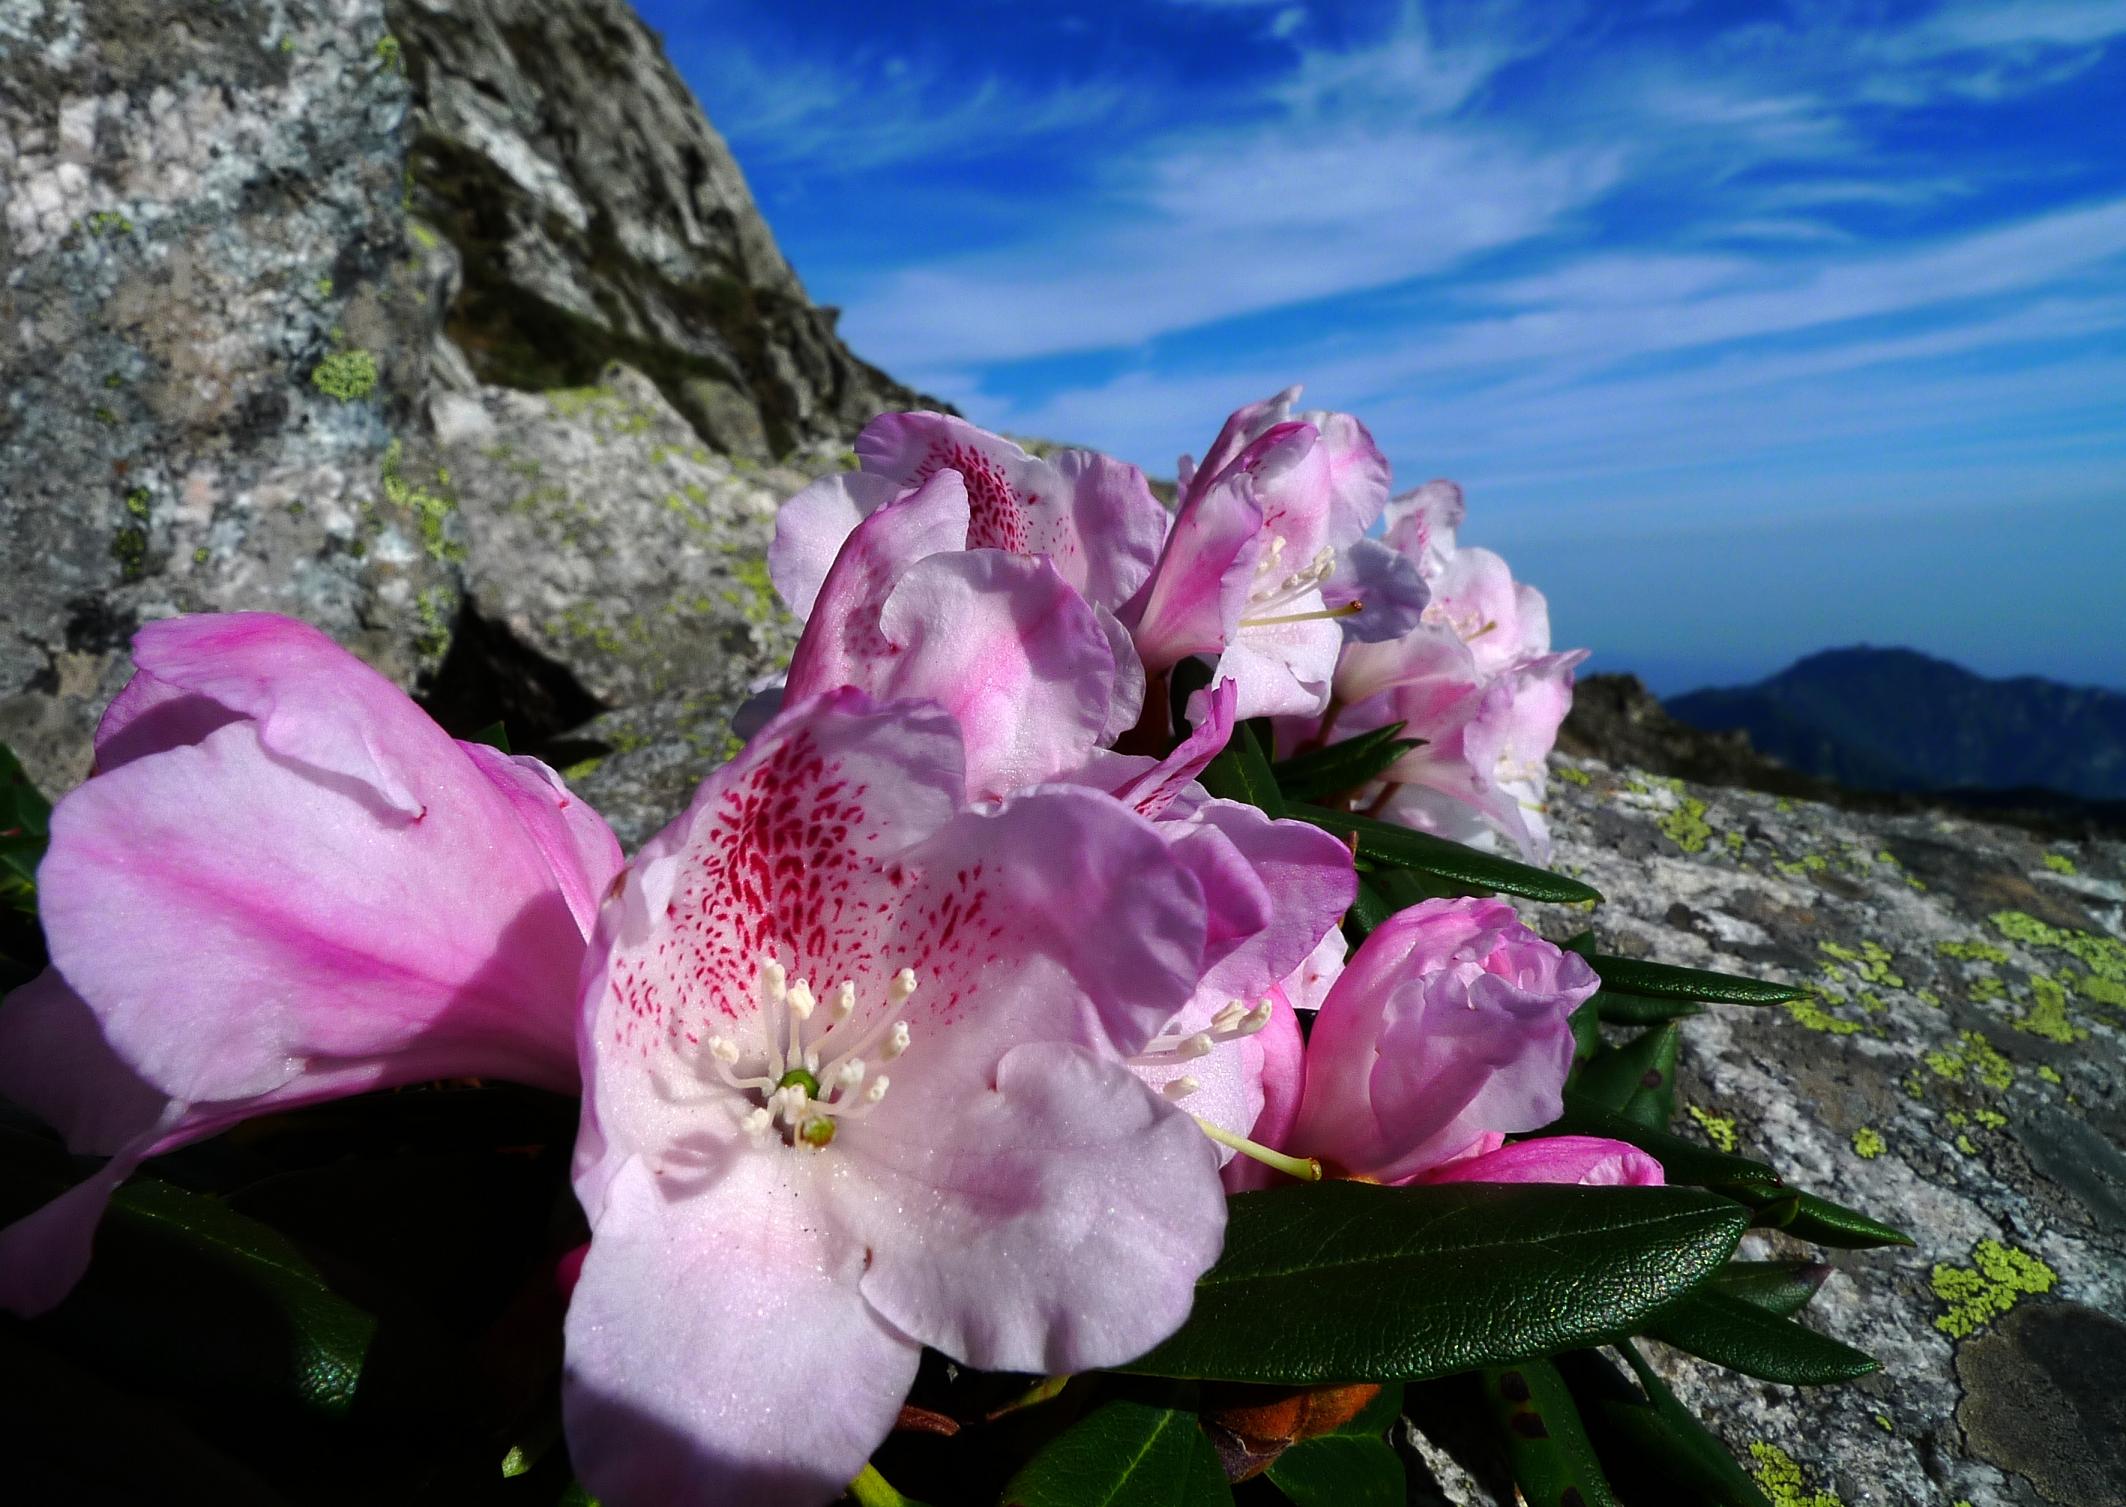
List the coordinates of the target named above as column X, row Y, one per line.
column 1584, row 1159
column 1073, row 1241
column 580, row 850
column 44, row 1253
column 1151, row 791
column 55, row 1063
column 719, row 1349
column 1283, row 1072
column 1241, row 429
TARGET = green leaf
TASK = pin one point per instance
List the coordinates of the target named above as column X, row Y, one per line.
column 1353, row 1466
column 1368, row 909
column 1808, row 1217
column 1323, row 772
column 1636, row 1079
column 25, row 827
column 1586, row 1039
column 1124, row 1453
column 1242, row 773
column 1651, row 1446
column 1402, row 847
column 1778, row 1287
column 494, row 735
column 1343, row 1281
column 1666, row 981
column 1546, row 1445
column 1743, row 1337
column 1621, row 1009
column 1341, row 1470
column 325, row 1338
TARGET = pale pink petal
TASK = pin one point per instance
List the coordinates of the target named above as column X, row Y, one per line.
column 1390, row 594
column 55, row 1063
column 1241, row 429
column 1311, row 876
column 581, row 853
column 1073, row 1240
column 1422, row 524
column 1119, row 521
column 1196, row 595
column 1281, row 1076
column 719, row 1349
column 1005, row 645
column 1283, row 669
column 1125, row 706
column 1588, row 1160
column 841, row 641
column 44, row 1253
column 812, row 527
column 1358, row 474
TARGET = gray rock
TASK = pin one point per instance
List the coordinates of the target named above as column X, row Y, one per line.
column 608, row 539
column 646, row 761
column 601, row 217
column 214, row 344
column 1957, row 1069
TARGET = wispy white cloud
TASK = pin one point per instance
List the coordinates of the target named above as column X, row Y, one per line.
column 859, row 113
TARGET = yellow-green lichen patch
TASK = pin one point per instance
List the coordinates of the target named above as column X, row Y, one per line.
column 1868, row 1143
column 1966, row 1145
column 2103, row 956
column 433, row 641
column 423, row 237
column 1871, row 962
column 2059, row 863
column 2096, row 987
column 1972, row 952
column 431, row 508
column 2048, row 1073
column 1779, row 1474
column 1811, row 1015
column 1736, row 842
column 323, row 285
column 1999, row 1277
column 345, row 375
column 1686, row 825
column 1973, row 1057
column 387, row 50
column 1719, row 1129
column 2046, row 1015
column 1573, row 776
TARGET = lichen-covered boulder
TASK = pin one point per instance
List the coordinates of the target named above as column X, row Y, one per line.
column 605, row 537
column 1958, row 1068
column 601, row 217
column 215, row 344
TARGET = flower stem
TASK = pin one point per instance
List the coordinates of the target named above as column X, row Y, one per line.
column 1305, row 1168
column 870, row 1489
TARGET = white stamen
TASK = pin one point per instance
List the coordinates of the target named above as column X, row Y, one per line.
column 903, row 986
column 896, row 1041
column 1181, row 1088
column 801, row 1001
column 844, row 1004
column 724, row 1050
column 756, row 1122
column 852, row 1073
column 877, row 1090
column 847, row 1086
column 1229, row 1016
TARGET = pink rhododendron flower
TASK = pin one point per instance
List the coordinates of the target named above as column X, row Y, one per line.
column 855, row 1084
column 1475, row 679
column 1274, row 890
column 1091, row 517
column 1446, row 1031
column 283, row 884
column 1264, row 566
column 1001, row 641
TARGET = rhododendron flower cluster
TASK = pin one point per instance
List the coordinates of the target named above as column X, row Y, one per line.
column 946, row 1013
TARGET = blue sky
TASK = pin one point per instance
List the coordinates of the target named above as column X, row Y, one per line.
column 1749, row 329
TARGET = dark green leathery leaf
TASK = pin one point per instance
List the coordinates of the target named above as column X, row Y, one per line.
column 1745, row 1337
column 1546, row 1446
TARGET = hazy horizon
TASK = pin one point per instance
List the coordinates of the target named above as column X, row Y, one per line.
column 1750, row 329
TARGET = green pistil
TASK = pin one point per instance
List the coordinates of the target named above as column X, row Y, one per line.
column 797, row 1077
column 817, row 1132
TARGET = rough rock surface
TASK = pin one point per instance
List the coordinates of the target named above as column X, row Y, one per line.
column 1956, row 1069
column 601, row 217
column 213, row 339
column 602, row 534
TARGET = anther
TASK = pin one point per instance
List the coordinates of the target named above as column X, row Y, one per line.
column 896, row 1041
column 1181, row 1088
column 844, row 1001
column 724, row 1050
column 801, row 1001
column 902, row 987
column 877, row 1090
column 756, row 1122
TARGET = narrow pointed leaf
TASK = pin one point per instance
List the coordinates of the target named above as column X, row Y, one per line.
column 1342, row 766
column 1546, row 1446
column 1124, row 1453
column 1242, row 773
column 1651, row 1446
column 1621, row 1009
column 1639, row 1072
column 1666, row 981
column 1341, row 1281
column 1778, row 1287
column 1743, row 1337
column 1402, row 847
column 1808, row 1217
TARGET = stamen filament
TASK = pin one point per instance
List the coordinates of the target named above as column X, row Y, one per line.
column 1349, row 609
column 1305, row 1168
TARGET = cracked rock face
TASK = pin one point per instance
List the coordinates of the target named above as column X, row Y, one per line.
column 213, row 336
column 601, row 217
column 607, row 538
column 1957, row 1069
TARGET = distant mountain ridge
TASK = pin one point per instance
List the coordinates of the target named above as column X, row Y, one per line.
column 1899, row 720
